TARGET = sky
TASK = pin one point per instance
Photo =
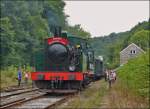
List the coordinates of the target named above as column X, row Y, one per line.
column 104, row 17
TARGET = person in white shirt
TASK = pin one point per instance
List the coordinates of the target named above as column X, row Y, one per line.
column 26, row 77
column 114, row 75
column 111, row 77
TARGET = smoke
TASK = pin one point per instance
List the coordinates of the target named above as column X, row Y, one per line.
column 53, row 21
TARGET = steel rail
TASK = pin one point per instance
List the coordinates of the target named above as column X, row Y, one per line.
column 17, row 93
column 17, row 102
column 63, row 100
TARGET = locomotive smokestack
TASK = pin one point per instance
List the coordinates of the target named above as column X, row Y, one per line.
column 60, row 31
column 57, row 31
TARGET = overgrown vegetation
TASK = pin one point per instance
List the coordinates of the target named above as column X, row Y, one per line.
column 135, row 75
column 122, row 97
column 131, row 89
column 9, row 76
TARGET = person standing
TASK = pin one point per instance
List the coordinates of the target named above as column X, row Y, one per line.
column 19, row 77
column 106, row 75
column 26, row 77
column 110, row 78
column 114, row 75
column 33, row 70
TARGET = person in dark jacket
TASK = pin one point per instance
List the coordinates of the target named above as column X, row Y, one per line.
column 19, row 77
column 106, row 75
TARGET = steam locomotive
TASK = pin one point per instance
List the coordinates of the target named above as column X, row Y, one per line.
column 65, row 64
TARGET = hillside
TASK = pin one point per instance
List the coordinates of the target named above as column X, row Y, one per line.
column 111, row 45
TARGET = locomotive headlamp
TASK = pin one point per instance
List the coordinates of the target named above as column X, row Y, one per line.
column 72, row 68
column 77, row 46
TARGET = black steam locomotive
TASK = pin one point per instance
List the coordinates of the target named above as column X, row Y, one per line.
column 65, row 64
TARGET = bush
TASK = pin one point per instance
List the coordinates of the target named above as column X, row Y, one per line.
column 9, row 76
column 135, row 75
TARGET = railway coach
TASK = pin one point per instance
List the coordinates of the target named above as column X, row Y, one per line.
column 98, row 68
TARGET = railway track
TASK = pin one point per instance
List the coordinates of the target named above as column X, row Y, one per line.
column 13, row 99
column 15, row 88
column 30, row 98
column 16, row 92
column 43, row 102
column 34, row 100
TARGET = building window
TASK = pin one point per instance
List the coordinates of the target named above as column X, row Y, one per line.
column 133, row 52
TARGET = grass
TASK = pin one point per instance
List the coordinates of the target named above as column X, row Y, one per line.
column 99, row 96
column 8, row 76
column 91, row 97
column 123, row 97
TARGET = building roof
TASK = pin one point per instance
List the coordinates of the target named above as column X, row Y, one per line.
column 132, row 44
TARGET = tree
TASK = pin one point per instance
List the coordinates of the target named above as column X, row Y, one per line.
column 7, row 38
column 78, row 31
column 24, row 28
column 141, row 38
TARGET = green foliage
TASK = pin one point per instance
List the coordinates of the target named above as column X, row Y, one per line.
column 24, row 26
column 135, row 75
column 110, row 46
column 77, row 30
column 141, row 38
column 7, row 38
column 9, row 75
column 25, row 31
